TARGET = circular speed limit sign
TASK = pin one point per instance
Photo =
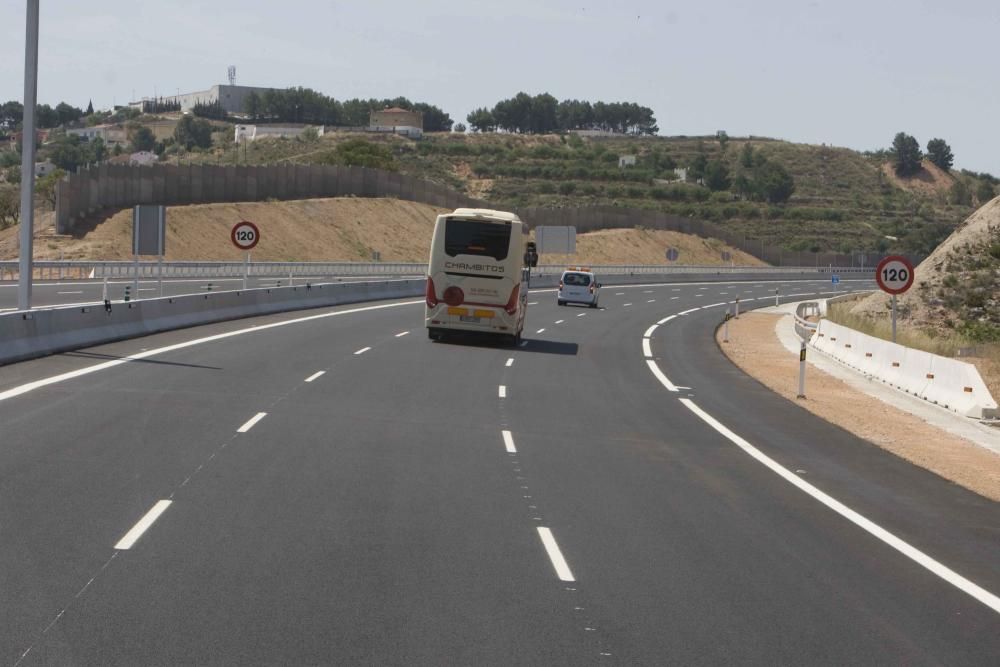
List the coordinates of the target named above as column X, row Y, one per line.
column 245, row 235
column 894, row 274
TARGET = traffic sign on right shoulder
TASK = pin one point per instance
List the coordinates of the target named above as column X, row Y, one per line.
column 894, row 274
column 245, row 235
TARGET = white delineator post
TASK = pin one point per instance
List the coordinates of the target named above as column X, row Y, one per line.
column 737, row 314
column 775, row 296
column 802, row 370
column 725, row 328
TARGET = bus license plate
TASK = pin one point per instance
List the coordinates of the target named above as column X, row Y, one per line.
column 469, row 318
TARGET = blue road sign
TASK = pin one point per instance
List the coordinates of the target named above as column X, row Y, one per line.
column 835, row 279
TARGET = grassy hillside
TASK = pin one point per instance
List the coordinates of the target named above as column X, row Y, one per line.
column 844, row 200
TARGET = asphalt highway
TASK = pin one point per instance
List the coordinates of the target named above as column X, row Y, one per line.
column 330, row 487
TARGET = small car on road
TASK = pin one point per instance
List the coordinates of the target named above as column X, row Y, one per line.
column 578, row 285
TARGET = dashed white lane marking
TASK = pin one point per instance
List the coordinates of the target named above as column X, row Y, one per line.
column 508, row 442
column 689, row 310
column 532, row 303
column 650, row 330
column 626, row 304
column 646, row 351
column 540, row 330
column 582, row 315
column 510, row 362
column 660, row 376
column 62, row 377
column 651, row 301
column 911, row 552
column 251, row 422
column 502, row 391
column 676, row 289
column 560, row 321
column 133, row 535
column 401, row 334
column 362, row 350
column 619, row 293
column 666, row 319
column 702, row 288
column 524, row 343
column 647, row 291
column 723, row 293
column 674, row 297
column 80, row 292
column 555, row 555
column 315, row 375
column 698, row 296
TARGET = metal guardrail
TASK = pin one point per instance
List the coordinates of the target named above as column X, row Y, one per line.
column 81, row 269
column 803, row 327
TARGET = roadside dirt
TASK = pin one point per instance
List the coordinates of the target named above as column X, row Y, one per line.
column 929, row 180
column 339, row 229
column 755, row 348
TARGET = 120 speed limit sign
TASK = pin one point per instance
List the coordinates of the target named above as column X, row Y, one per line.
column 894, row 274
column 245, row 235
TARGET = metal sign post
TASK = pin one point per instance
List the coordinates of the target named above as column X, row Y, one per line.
column 24, row 267
column 894, row 275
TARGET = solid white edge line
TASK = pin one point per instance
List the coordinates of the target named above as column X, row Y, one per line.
column 362, row 350
column 660, row 376
column 911, row 552
column 555, row 555
column 691, row 310
column 62, row 377
column 315, row 375
column 401, row 334
column 650, row 330
column 646, row 351
column 510, row 362
column 502, row 391
column 251, row 422
column 666, row 319
column 133, row 535
column 508, row 442
column 723, row 303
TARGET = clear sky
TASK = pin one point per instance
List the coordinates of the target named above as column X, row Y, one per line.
column 839, row 72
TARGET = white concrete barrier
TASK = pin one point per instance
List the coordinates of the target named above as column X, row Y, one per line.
column 952, row 384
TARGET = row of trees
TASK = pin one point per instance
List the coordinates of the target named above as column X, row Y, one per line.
column 756, row 179
column 541, row 114
column 46, row 117
column 907, row 156
column 304, row 105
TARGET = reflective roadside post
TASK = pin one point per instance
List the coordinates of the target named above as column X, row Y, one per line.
column 802, row 370
column 737, row 313
column 725, row 327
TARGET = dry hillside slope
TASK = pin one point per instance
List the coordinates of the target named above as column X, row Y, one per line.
column 340, row 229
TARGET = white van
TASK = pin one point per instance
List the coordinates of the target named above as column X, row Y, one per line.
column 477, row 276
column 578, row 285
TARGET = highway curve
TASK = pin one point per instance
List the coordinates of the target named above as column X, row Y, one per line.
column 330, row 487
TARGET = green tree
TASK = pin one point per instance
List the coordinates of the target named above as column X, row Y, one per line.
column 45, row 187
column 460, row 128
column 67, row 113
column 13, row 175
column 142, row 139
column 46, row 117
column 985, row 192
column 11, row 114
column 481, row 120
column 10, row 207
column 252, row 105
column 774, row 182
column 959, row 194
column 361, row 153
column 90, row 107
column 906, row 154
column 716, row 175
column 68, row 153
column 746, row 156
column 696, row 170
column 191, row 132
column 723, row 139
column 940, row 154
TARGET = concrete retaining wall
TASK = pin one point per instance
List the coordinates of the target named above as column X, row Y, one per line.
column 952, row 384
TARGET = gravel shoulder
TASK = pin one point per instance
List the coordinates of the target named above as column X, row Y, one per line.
column 755, row 348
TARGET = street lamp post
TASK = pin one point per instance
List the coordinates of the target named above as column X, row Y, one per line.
column 24, row 267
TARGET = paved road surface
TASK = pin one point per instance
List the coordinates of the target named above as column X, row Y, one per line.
column 426, row 503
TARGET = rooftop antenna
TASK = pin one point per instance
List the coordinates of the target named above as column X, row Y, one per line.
column 232, row 75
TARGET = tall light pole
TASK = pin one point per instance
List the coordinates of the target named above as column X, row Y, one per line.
column 24, row 267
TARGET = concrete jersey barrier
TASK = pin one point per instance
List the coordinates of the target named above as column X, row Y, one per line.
column 952, row 384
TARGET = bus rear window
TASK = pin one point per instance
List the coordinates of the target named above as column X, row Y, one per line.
column 471, row 237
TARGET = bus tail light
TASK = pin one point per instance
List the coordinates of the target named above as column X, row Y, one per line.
column 511, row 306
column 432, row 299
